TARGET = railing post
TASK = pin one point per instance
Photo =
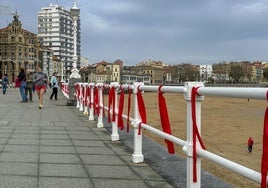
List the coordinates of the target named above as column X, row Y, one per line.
column 188, row 148
column 137, row 156
column 85, row 99
column 91, row 108
column 115, row 135
column 100, row 105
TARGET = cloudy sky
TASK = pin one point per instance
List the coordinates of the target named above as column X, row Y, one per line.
column 172, row 31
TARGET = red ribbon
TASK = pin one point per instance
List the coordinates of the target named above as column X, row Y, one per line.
column 82, row 95
column 141, row 106
column 111, row 102
column 264, row 162
column 128, row 107
column 85, row 95
column 120, row 122
column 139, row 128
column 165, row 119
column 77, row 91
column 195, row 132
column 103, row 109
column 96, row 101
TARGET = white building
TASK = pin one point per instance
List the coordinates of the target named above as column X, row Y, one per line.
column 205, row 72
column 55, row 31
column 84, row 62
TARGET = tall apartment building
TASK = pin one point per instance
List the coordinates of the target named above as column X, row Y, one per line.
column 55, row 31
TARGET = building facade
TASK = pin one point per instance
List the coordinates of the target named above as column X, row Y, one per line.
column 18, row 48
column 55, row 31
column 205, row 72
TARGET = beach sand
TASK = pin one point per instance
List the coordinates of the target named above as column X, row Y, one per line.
column 226, row 125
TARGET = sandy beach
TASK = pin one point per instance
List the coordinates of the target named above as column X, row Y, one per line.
column 226, row 124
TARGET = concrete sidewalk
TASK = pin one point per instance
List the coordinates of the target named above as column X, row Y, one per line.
column 58, row 147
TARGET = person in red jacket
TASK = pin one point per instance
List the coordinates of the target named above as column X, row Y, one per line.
column 250, row 144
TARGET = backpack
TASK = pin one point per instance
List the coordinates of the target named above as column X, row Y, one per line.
column 5, row 81
column 17, row 82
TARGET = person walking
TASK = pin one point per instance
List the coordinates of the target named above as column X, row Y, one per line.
column 54, row 85
column 250, row 144
column 29, row 85
column 40, row 81
column 5, row 82
column 22, row 79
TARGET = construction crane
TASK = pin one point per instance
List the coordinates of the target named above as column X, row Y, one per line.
column 7, row 10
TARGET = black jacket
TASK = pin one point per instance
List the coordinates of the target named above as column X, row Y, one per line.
column 22, row 76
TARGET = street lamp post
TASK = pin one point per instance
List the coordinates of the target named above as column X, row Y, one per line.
column 75, row 76
column 75, row 11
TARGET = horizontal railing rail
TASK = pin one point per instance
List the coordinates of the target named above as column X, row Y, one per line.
column 89, row 98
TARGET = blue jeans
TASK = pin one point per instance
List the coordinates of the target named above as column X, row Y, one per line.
column 4, row 88
column 22, row 91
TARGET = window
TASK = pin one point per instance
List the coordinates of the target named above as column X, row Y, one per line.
column 12, row 38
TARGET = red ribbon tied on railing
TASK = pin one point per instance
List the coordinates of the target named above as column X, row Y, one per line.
column 77, row 91
column 103, row 109
column 264, row 162
column 165, row 119
column 111, row 102
column 128, row 106
column 195, row 131
column 120, row 122
column 96, row 101
column 141, row 108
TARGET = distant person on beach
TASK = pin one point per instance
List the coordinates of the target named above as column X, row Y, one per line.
column 40, row 81
column 250, row 144
column 5, row 83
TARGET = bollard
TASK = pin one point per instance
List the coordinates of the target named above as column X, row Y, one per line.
column 188, row 148
column 100, row 105
column 137, row 156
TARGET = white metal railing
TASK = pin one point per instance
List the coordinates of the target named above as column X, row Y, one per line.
column 86, row 99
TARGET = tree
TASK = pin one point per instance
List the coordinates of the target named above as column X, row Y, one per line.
column 247, row 70
column 220, row 71
column 235, row 71
column 265, row 74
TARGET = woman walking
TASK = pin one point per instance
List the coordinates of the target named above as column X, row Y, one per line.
column 54, row 86
column 40, row 81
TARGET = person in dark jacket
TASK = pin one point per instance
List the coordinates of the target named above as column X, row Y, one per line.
column 5, row 83
column 22, row 79
column 29, row 85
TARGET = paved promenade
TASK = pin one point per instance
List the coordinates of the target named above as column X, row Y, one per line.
column 58, row 147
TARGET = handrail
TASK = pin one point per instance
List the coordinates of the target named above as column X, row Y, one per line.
column 187, row 145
